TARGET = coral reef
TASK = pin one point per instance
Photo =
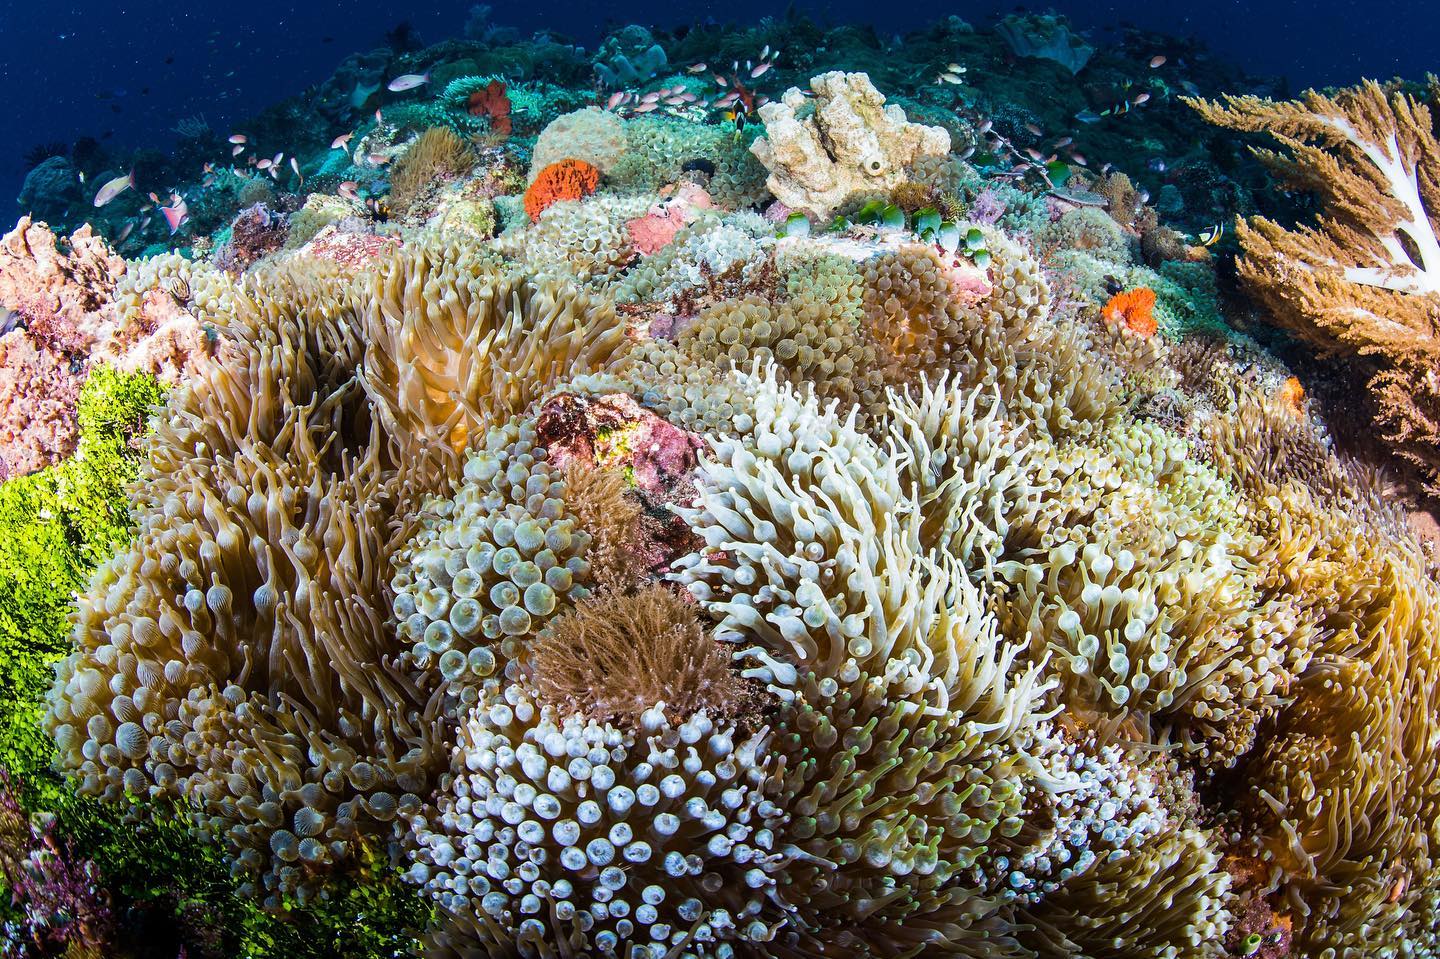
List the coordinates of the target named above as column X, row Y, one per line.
column 852, row 143
column 510, row 520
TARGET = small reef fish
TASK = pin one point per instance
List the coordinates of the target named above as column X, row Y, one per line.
column 114, row 188
column 696, row 68
column 1088, row 116
column 1035, row 129
column 646, row 107
column 1140, row 99
column 176, row 214
column 238, row 149
column 377, row 117
column 379, row 159
column 340, row 142
column 615, row 100
column 295, row 165
column 1063, row 142
column 238, row 138
column 650, row 97
column 948, row 78
column 1212, row 235
column 759, row 71
column 263, row 164
column 408, row 82
column 1158, row 61
column 349, row 189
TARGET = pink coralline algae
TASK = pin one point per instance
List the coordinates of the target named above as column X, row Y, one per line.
column 65, row 319
column 654, row 231
column 38, row 391
column 59, row 294
column 348, row 248
column 967, row 281
column 658, row 459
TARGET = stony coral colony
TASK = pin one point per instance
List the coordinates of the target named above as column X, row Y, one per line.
column 760, row 595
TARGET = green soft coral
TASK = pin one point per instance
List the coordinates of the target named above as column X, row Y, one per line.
column 56, row 526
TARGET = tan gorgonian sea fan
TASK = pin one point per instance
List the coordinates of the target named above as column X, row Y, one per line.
column 616, row 655
column 1364, row 280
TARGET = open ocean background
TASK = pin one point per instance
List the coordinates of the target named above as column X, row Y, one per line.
column 127, row 71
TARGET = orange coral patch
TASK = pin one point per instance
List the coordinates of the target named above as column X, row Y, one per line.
column 1292, row 396
column 1134, row 308
column 565, row 180
column 492, row 101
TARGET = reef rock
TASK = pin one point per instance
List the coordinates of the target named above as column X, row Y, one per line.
column 58, row 293
column 852, row 142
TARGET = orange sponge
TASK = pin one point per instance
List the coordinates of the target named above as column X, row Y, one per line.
column 565, row 180
column 1135, row 308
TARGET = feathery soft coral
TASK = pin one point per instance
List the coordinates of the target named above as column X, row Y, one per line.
column 1364, row 279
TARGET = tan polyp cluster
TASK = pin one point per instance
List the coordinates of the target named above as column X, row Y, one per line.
column 237, row 654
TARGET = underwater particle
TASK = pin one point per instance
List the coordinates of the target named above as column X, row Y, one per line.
column 1133, row 309
column 566, row 180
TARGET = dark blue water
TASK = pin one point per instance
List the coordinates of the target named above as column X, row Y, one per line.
column 127, row 71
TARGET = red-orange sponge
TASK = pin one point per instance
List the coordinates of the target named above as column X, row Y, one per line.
column 565, row 180
column 1134, row 308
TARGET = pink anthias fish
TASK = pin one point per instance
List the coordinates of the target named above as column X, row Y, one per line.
column 238, row 138
column 341, row 142
column 349, row 189
column 176, row 213
column 114, row 188
column 125, row 233
column 408, row 82
column 616, row 99
column 759, row 70
column 237, row 150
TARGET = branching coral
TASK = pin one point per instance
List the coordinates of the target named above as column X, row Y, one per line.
column 1365, row 278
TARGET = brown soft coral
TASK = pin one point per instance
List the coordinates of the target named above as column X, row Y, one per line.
column 1364, row 280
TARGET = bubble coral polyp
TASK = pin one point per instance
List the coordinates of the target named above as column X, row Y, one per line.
column 569, row 179
column 1134, row 309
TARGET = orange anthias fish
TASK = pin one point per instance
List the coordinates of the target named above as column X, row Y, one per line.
column 341, row 142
